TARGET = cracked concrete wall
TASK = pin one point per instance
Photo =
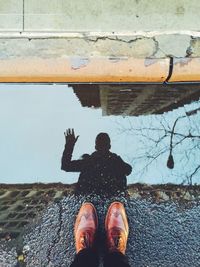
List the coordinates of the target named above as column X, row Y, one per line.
column 162, row 46
column 148, row 29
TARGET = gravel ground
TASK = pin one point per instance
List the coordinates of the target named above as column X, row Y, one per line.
column 161, row 234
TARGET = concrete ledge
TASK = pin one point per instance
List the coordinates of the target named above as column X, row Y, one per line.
column 78, row 57
column 78, row 69
column 99, row 69
column 186, row 70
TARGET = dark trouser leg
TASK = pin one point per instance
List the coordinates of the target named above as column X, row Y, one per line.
column 116, row 259
column 86, row 258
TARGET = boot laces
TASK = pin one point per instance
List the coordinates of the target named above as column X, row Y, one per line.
column 117, row 242
column 85, row 240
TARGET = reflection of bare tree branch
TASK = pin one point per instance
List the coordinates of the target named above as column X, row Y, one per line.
column 158, row 138
column 194, row 172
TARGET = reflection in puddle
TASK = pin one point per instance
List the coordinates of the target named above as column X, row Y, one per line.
column 102, row 172
column 152, row 136
column 162, row 146
column 153, row 128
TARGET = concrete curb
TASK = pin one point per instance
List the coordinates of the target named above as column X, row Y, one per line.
column 101, row 69
column 78, row 69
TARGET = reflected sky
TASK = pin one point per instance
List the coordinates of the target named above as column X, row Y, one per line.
column 33, row 119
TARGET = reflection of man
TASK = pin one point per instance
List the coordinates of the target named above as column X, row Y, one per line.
column 101, row 172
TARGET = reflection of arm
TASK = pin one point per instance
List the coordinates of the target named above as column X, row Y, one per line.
column 67, row 164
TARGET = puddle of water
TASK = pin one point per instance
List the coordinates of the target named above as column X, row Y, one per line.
column 33, row 119
column 146, row 124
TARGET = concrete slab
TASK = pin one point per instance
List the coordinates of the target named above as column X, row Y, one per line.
column 173, row 45
column 118, row 15
column 11, row 15
column 77, row 47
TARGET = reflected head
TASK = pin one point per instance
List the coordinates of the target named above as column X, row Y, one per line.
column 102, row 142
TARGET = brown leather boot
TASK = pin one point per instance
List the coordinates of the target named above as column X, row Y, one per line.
column 85, row 227
column 116, row 225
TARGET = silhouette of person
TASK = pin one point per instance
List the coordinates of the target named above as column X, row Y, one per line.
column 102, row 172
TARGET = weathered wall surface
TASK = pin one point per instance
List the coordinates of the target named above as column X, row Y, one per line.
column 156, row 47
column 118, row 15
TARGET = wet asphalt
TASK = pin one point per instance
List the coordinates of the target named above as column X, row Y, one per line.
column 161, row 234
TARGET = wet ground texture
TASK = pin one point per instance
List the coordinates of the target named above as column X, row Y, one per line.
column 164, row 231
